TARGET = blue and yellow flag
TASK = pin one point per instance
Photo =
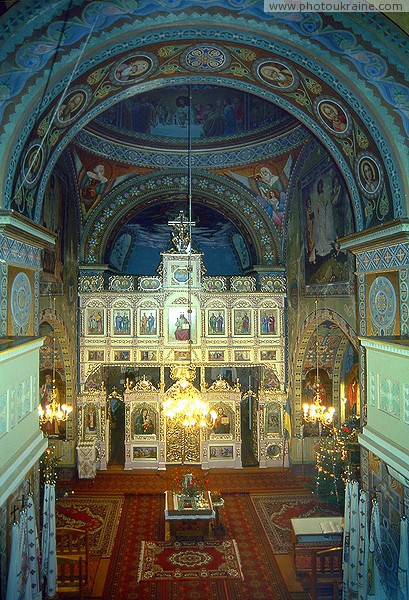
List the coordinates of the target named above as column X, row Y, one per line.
column 287, row 419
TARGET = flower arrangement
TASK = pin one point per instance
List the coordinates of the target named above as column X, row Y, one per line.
column 188, row 485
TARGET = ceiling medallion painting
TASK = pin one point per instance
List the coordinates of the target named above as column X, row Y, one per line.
column 333, row 116
column 133, row 68
column 279, row 75
column 204, row 57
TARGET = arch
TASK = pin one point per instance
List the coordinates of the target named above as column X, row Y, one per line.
column 297, row 40
column 232, row 198
column 54, row 318
column 306, row 331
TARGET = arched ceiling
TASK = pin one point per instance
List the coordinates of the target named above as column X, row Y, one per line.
column 220, row 118
column 69, row 65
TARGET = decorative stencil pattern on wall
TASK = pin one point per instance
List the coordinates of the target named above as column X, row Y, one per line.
column 389, row 397
column 383, row 258
column 21, row 303
column 3, row 298
column 19, row 253
column 383, row 307
column 406, row 402
column 404, row 301
column 3, row 413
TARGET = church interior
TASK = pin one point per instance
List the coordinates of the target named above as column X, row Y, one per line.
column 204, row 202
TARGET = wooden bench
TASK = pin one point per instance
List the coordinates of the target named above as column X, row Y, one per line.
column 326, row 572
column 73, row 543
column 70, row 576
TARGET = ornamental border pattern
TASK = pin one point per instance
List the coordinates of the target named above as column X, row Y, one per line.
column 19, row 253
column 404, row 300
column 383, row 258
column 3, row 299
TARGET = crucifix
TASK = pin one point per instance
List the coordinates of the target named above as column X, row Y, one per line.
column 13, row 512
column 181, row 235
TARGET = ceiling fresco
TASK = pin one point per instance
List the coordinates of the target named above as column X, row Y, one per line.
column 208, row 115
column 137, row 247
column 278, row 62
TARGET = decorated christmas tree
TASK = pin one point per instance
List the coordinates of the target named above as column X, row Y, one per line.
column 334, row 466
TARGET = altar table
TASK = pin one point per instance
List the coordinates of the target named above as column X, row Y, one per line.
column 188, row 523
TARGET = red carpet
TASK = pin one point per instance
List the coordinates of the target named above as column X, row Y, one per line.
column 143, row 518
column 189, row 560
column 156, row 482
column 275, row 512
column 99, row 515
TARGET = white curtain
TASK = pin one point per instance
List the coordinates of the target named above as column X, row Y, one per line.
column 375, row 587
column 363, row 555
column 48, row 545
column 14, row 567
column 403, row 575
column 345, row 555
column 33, row 551
column 353, row 539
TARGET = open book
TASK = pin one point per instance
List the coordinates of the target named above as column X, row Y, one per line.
column 331, row 527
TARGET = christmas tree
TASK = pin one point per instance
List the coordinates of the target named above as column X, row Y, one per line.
column 333, row 462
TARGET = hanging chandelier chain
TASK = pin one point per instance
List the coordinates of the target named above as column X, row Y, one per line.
column 184, row 403
column 315, row 411
column 53, row 410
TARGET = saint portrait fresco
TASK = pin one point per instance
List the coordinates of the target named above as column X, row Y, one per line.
column 32, row 163
column 148, row 355
column 144, row 422
column 95, row 322
column 332, row 115
column 90, row 419
column 121, row 322
column 122, row 355
column 71, row 106
column 328, row 216
column 268, row 324
column 222, row 422
column 133, row 68
column 242, row 322
column 148, row 322
column 369, row 175
column 181, row 325
column 277, row 74
column 216, row 322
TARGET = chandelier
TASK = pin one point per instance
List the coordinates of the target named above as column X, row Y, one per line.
column 51, row 411
column 184, row 403
column 316, row 412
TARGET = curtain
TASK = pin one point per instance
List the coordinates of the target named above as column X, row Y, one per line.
column 48, row 544
column 375, row 588
column 403, row 575
column 363, row 554
column 33, row 552
column 14, row 567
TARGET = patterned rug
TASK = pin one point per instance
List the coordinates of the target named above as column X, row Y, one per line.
column 100, row 515
column 189, row 560
column 156, row 482
column 143, row 518
column 275, row 512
